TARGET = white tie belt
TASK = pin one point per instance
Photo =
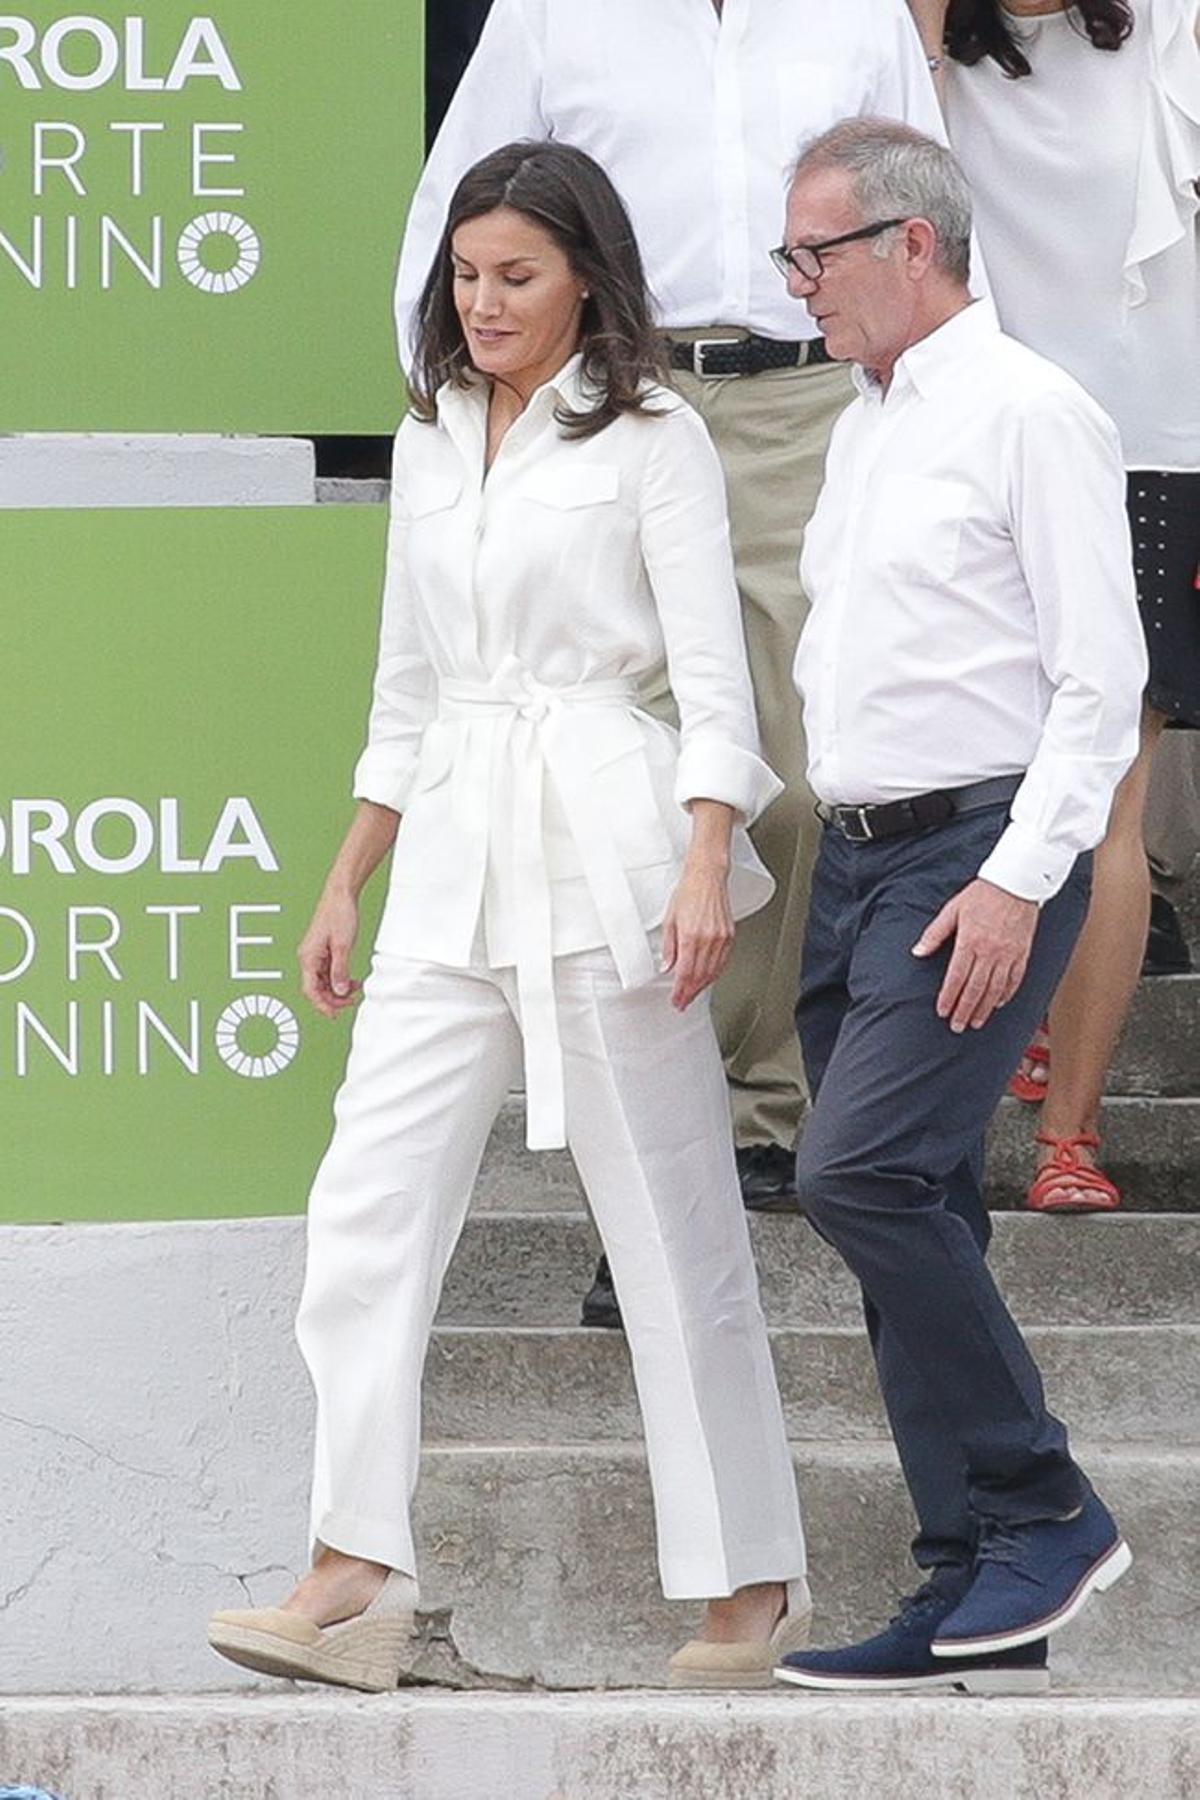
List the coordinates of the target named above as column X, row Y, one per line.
column 533, row 720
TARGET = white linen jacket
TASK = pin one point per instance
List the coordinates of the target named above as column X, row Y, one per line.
column 542, row 811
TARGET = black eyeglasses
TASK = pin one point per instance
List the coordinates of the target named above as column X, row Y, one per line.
column 806, row 258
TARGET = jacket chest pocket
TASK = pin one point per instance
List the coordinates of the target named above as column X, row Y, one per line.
column 563, row 487
column 914, row 524
column 429, row 491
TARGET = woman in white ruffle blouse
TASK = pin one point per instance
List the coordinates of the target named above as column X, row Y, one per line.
column 1079, row 130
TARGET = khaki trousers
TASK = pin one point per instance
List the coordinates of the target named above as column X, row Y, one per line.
column 1172, row 822
column 771, row 433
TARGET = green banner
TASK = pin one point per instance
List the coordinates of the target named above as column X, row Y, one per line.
column 176, row 759
column 200, row 214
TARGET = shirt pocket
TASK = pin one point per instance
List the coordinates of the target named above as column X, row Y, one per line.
column 429, row 491
column 623, row 790
column 914, row 526
column 565, row 487
column 435, row 758
column 812, row 96
column 621, row 794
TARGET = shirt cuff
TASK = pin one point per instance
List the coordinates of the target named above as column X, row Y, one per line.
column 381, row 777
column 726, row 772
column 1026, row 866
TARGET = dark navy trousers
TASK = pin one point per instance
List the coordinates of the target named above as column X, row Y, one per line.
column 890, row 1171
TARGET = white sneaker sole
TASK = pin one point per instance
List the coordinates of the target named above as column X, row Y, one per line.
column 1099, row 1578
column 982, row 1683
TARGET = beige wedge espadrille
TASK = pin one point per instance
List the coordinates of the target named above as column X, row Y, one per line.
column 369, row 1651
column 745, row 1665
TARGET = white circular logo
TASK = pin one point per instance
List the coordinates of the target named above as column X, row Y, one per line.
column 257, row 1006
column 219, row 224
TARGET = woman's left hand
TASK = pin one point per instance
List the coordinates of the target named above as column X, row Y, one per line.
column 698, row 930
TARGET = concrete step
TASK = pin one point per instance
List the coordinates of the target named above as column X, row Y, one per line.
column 563, row 1386
column 771, row 1746
column 1189, row 915
column 1151, row 1149
column 186, row 1428
column 1159, row 1051
column 538, row 1567
column 119, row 469
column 1122, row 1269
column 544, row 1558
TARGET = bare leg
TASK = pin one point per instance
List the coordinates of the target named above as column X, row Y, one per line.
column 336, row 1587
column 1093, row 997
column 749, row 1614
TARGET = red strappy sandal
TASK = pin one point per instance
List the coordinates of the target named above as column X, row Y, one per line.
column 1022, row 1086
column 1068, row 1184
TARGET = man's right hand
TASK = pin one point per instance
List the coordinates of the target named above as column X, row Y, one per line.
column 993, row 935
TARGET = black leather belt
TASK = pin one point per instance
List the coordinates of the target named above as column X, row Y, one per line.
column 751, row 355
column 864, row 824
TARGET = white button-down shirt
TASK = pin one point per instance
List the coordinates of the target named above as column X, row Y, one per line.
column 543, row 812
column 697, row 119
column 973, row 605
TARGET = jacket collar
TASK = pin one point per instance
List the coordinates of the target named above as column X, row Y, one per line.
column 568, row 386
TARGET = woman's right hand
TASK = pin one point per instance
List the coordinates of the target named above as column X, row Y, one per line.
column 324, row 955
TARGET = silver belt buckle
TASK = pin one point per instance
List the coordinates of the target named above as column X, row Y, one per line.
column 703, row 344
column 856, row 815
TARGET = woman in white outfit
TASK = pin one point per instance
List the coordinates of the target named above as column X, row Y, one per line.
column 565, row 876
column 1078, row 127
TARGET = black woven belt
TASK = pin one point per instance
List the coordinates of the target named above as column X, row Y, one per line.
column 744, row 355
column 863, row 824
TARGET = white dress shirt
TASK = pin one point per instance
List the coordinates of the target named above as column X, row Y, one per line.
column 697, row 118
column 543, row 813
column 973, row 607
column 1084, row 180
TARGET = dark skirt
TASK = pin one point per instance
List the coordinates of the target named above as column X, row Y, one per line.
column 1164, row 516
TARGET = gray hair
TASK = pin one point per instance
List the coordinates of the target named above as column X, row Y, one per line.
column 900, row 173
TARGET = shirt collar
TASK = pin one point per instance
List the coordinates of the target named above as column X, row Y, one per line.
column 928, row 362
column 568, row 386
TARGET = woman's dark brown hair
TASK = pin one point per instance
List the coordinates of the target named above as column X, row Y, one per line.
column 979, row 28
column 568, row 195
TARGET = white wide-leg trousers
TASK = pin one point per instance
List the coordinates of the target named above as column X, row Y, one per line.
column 434, row 1053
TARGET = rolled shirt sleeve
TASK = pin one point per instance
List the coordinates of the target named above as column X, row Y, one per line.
column 1067, row 512
column 405, row 687
column 498, row 101
column 689, row 562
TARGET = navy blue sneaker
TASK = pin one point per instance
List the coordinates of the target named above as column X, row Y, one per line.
column 899, row 1659
column 1030, row 1579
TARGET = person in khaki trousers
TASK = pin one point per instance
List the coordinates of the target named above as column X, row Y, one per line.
column 1172, row 833
column 698, row 112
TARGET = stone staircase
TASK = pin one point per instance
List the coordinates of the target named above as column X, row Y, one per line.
column 535, row 1524
column 534, row 1474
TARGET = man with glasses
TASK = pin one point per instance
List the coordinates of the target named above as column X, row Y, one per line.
column 698, row 110
column 971, row 673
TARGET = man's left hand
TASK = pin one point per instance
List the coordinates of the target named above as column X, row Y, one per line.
column 993, row 932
